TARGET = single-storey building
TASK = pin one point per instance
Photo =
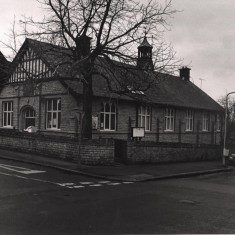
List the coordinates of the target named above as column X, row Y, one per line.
column 41, row 92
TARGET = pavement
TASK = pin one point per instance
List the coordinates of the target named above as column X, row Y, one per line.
column 122, row 172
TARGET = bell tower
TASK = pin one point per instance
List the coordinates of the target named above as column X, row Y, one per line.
column 145, row 55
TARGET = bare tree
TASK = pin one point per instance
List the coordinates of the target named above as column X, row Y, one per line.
column 102, row 36
column 231, row 113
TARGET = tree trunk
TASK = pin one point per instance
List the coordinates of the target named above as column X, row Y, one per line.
column 87, row 108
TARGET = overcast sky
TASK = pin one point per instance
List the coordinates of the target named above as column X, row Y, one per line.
column 203, row 35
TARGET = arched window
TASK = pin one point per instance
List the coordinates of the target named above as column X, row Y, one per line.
column 29, row 117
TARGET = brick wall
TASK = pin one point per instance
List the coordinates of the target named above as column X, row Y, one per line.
column 150, row 152
column 94, row 152
column 126, row 115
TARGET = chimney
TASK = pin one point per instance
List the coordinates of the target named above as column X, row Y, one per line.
column 83, row 44
column 185, row 73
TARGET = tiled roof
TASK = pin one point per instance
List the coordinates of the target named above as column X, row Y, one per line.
column 170, row 90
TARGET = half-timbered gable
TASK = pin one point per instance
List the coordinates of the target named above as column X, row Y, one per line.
column 29, row 65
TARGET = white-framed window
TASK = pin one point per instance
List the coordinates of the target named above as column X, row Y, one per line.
column 7, row 114
column 218, row 123
column 29, row 115
column 205, row 121
column 108, row 116
column 189, row 120
column 53, row 114
column 169, row 119
column 144, row 117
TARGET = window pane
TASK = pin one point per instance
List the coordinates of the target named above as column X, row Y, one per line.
column 113, row 108
column 106, row 121
column 107, row 108
column 139, row 121
column 59, row 104
column 113, row 122
column 49, row 120
column 59, row 120
column 54, row 121
column 5, row 106
column 54, row 105
column 49, row 105
column 8, row 119
column 143, row 121
column 10, row 106
column 101, row 121
column 5, row 119
column 147, row 127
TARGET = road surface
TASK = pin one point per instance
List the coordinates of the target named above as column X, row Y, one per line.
column 39, row 200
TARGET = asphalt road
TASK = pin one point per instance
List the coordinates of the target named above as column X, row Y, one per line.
column 38, row 200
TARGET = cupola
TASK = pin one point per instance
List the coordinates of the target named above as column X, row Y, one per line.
column 145, row 55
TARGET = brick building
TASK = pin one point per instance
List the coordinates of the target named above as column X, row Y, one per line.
column 42, row 92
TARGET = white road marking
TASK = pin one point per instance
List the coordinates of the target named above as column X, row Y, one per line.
column 86, row 182
column 103, row 182
column 78, row 186
column 21, row 170
column 114, row 183
column 33, row 179
column 128, row 182
column 95, row 185
column 67, row 184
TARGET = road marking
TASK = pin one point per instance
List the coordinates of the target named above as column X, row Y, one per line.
column 103, row 182
column 78, row 186
column 67, row 184
column 33, row 179
column 21, row 170
column 114, row 184
column 95, row 185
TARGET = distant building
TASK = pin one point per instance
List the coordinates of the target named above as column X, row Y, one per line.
column 42, row 92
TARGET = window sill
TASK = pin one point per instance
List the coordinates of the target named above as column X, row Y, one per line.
column 107, row 130
column 169, row 131
column 7, row 127
column 52, row 130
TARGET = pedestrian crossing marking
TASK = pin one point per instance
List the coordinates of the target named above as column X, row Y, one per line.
column 114, row 184
column 95, row 185
column 67, row 184
column 103, row 182
column 78, row 186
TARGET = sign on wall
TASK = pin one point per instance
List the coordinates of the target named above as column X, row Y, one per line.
column 138, row 132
